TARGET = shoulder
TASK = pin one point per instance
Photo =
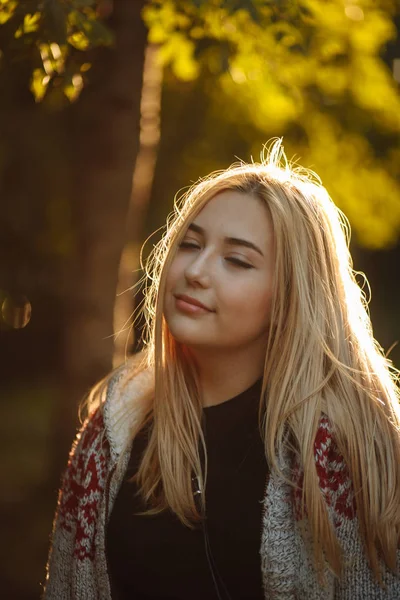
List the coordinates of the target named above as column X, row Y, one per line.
column 114, row 405
column 91, row 435
column 129, row 391
column 90, row 440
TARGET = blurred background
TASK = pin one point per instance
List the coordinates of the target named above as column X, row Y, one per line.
column 108, row 108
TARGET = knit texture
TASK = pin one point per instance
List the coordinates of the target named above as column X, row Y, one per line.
column 77, row 565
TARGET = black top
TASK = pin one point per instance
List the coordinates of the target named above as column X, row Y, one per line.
column 158, row 557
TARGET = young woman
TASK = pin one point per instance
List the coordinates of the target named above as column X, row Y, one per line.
column 252, row 449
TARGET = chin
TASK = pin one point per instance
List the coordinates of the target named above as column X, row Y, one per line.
column 187, row 331
column 187, row 338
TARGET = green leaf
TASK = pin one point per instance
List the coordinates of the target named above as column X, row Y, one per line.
column 7, row 9
column 73, row 87
column 31, row 22
column 39, row 83
column 79, row 40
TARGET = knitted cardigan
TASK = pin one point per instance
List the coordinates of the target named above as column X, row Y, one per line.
column 77, row 565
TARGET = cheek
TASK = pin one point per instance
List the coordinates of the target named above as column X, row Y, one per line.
column 174, row 273
column 263, row 308
column 173, row 284
column 250, row 301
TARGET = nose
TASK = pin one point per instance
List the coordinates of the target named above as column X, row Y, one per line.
column 197, row 272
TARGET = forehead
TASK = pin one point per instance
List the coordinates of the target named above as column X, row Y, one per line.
column 232, row 213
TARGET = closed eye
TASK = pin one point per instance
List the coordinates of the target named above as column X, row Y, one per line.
column 239, row 263
column 188, row 245
column 234, row 261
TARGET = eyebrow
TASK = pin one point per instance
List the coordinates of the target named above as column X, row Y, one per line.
column 232, row 241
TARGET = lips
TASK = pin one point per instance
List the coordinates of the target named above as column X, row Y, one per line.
column 192, row 301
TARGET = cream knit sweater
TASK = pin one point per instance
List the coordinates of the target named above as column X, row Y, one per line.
column 77, row 565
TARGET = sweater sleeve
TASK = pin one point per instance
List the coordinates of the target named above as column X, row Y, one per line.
column 357, row 581
column 82, row 485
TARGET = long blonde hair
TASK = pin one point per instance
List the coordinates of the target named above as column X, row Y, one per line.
column 321, row 358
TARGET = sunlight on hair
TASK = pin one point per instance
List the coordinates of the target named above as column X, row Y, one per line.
column 322, row 361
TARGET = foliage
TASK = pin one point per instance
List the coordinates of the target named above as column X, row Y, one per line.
column 308, row 70
column 55, row 38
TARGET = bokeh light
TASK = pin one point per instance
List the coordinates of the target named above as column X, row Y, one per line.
column 16, row 311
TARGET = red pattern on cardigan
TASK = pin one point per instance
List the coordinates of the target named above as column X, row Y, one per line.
column 333, row 473
column 83, row 485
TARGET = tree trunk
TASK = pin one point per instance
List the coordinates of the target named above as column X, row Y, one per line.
column 106, row 123
column 143, row 176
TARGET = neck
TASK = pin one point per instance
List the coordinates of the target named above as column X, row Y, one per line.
column 225, row 375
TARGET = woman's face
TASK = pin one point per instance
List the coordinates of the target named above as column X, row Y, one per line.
column 226, row 263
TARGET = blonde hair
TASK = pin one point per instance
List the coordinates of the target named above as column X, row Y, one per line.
column 321, row 358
